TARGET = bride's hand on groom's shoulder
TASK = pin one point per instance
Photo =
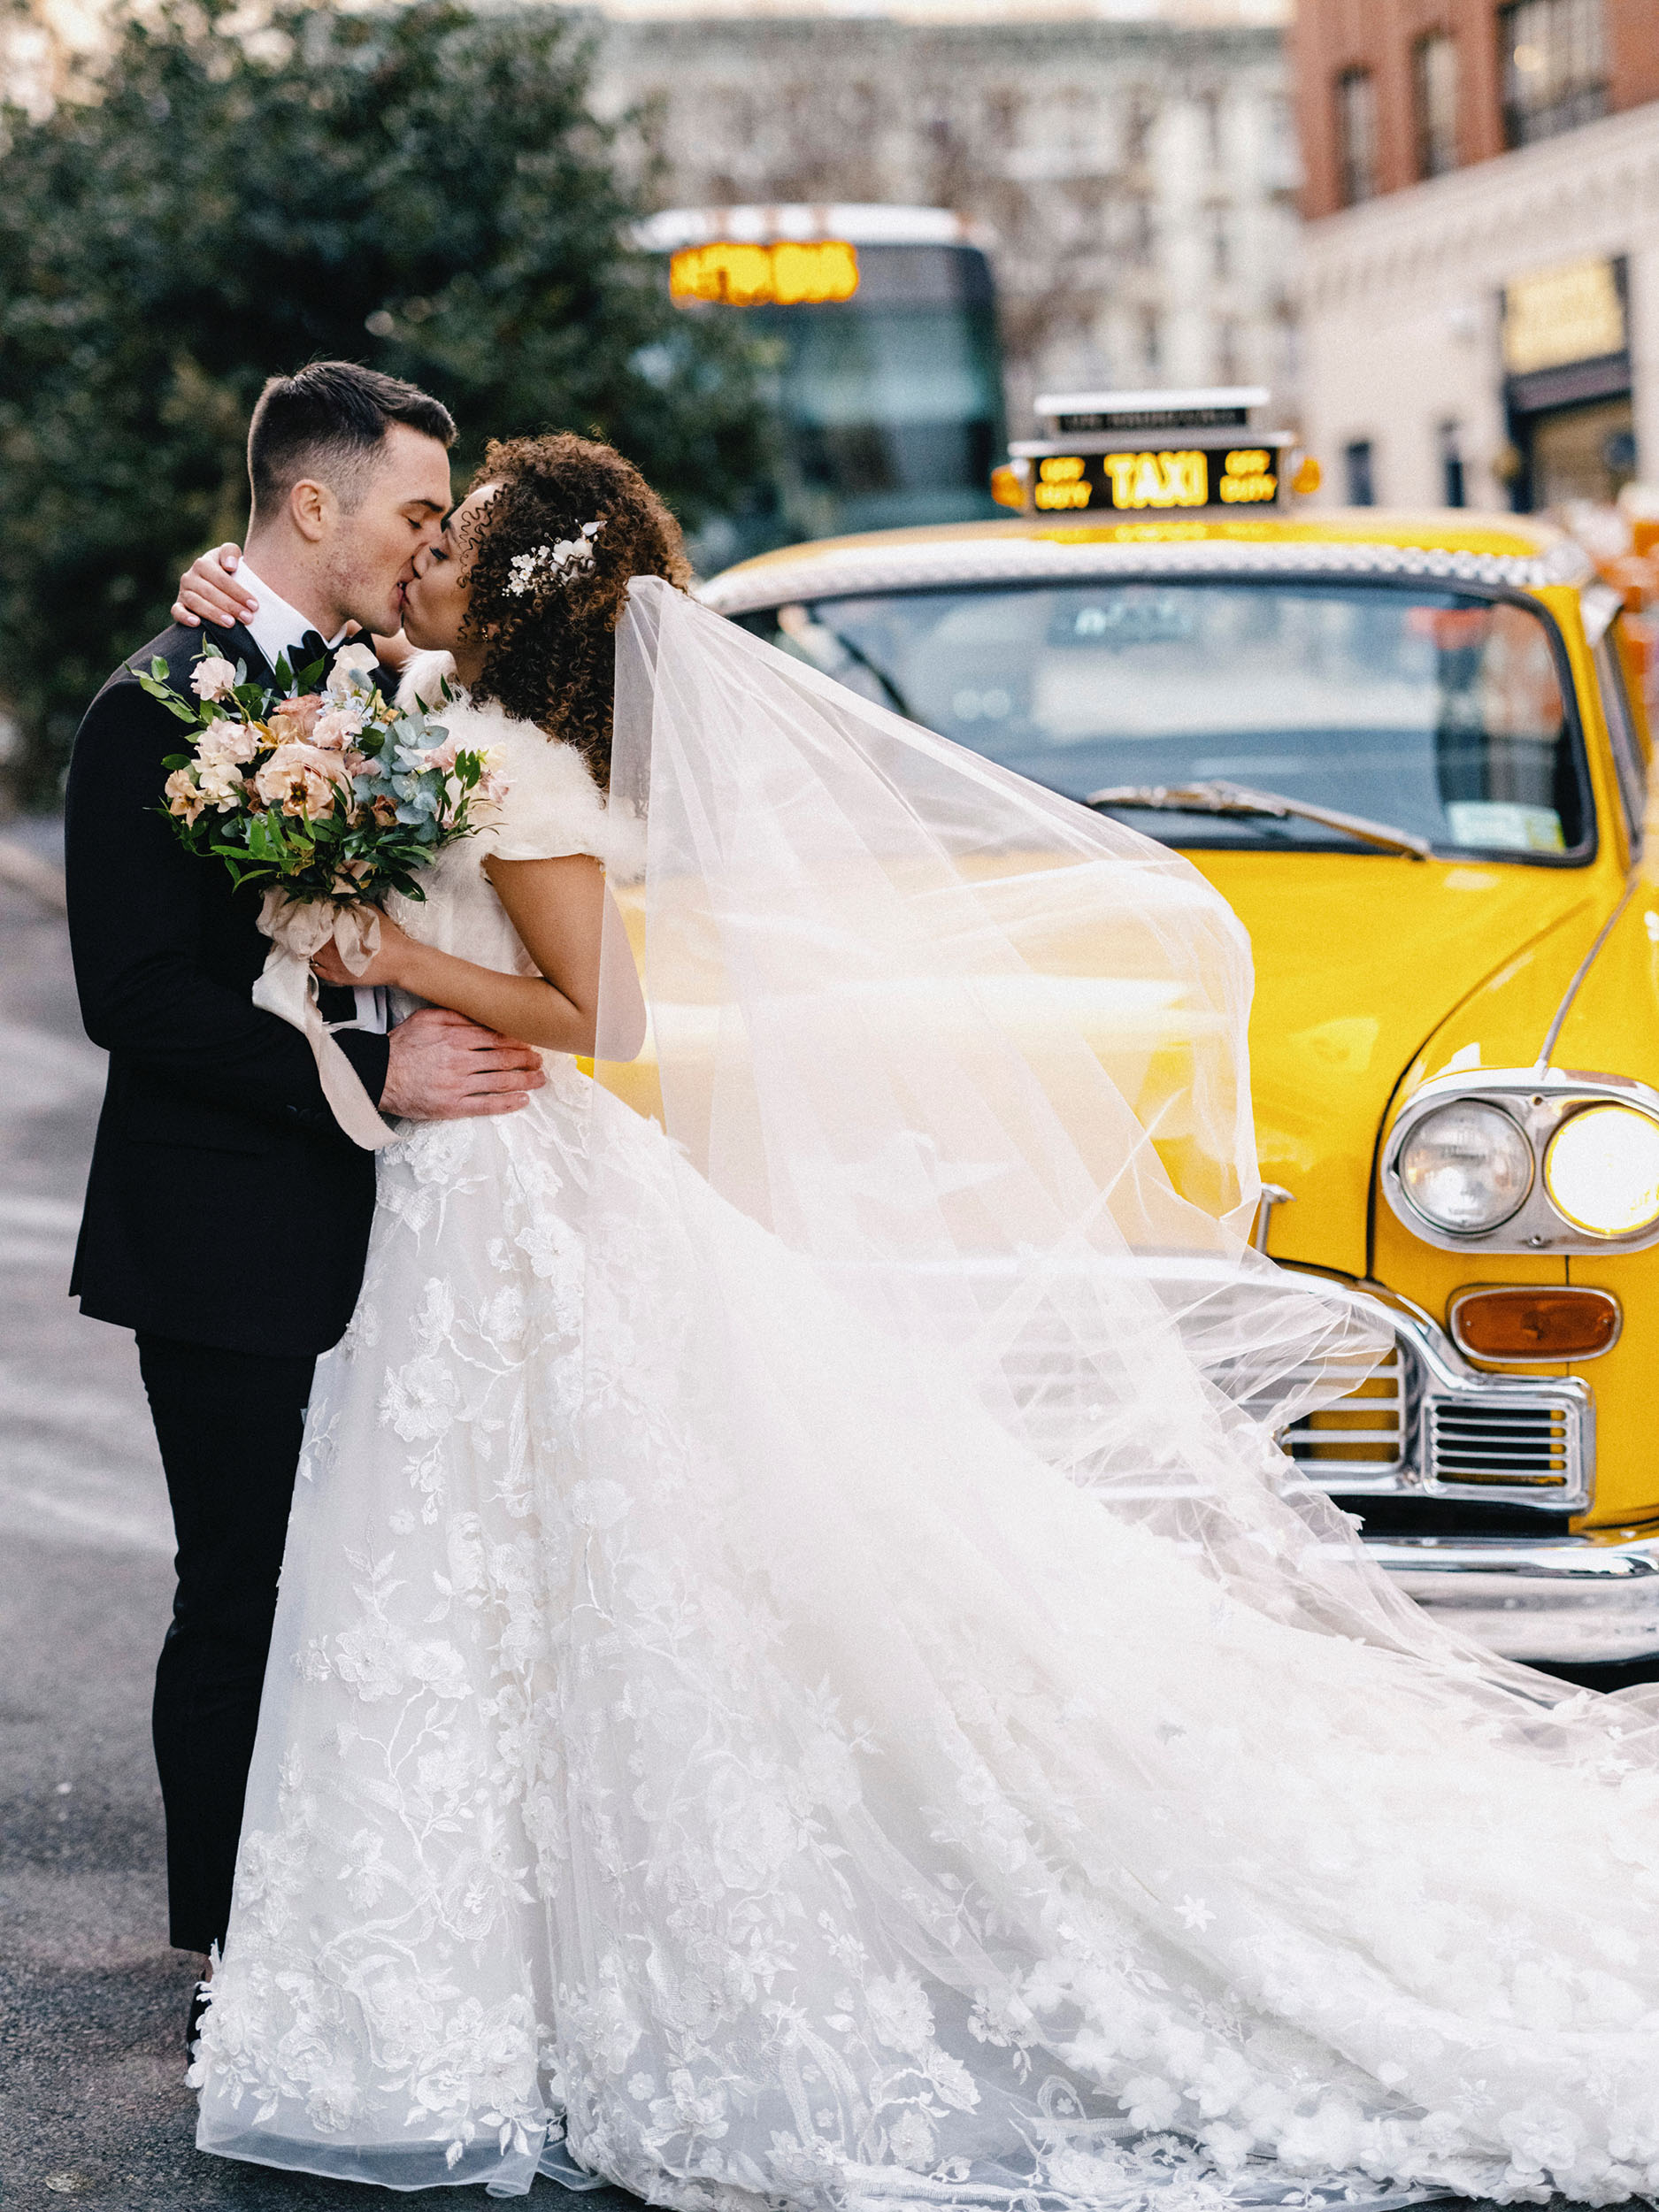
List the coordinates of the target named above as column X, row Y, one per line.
column 445, row 1068
column 209, row 592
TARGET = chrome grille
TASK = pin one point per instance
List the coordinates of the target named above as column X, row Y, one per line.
column 1499, row 1445
column 1428, row 1423
column 1365, row 1438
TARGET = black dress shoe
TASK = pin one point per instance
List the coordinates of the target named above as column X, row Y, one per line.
column 193, row 2023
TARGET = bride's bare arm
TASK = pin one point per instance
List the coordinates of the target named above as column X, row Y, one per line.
column 557, row 908
column 209, row 592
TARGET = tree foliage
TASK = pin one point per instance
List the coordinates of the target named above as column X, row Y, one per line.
column 421, row 189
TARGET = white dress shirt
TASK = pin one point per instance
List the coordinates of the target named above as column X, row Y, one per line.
column 277, row 630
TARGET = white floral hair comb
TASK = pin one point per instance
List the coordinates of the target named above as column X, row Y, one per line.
column 559, row 560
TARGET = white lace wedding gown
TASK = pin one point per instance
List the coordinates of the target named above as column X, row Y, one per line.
column 709, row 1741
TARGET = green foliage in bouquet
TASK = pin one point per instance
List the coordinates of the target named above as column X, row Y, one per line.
column 334, row 794
column 219, row 193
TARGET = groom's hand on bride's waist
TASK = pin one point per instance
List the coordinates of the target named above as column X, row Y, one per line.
column 444, row 1067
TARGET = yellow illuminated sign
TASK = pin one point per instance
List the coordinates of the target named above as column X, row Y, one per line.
column 1248, row 476
column 1061, row 483
column 792, row 273
column 1159, row 480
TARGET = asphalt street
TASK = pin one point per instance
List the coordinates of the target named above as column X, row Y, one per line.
column 94, row 2110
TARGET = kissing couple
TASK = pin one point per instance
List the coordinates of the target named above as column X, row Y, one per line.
column 800, row 1674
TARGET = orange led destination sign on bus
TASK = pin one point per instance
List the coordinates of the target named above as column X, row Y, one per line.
column 1159, row 480
column 791, row 272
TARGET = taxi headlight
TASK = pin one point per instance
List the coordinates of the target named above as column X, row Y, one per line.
column 1601, row 1170
column 1465, row 1167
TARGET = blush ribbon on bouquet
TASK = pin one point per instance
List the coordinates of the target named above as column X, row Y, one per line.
column 298, row 930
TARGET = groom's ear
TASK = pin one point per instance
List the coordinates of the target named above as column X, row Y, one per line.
column 313, row 509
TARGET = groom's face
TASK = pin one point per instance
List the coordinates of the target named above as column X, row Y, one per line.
column 398, row 514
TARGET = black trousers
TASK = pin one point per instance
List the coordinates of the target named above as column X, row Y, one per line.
column 229, row 1425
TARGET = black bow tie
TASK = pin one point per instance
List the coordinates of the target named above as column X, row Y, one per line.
column 311, row 648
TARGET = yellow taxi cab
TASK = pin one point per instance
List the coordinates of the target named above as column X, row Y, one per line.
column 1410, row 750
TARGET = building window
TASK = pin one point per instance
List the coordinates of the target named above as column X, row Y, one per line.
column 1453, row 486
column 1356, row 136
column 1357, row 464
column 1151, row 341
column 1434, row 89
column 1211, row 104
column 1555, row 67
column 1220, row 245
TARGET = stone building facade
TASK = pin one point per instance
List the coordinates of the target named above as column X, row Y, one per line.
column 1139, row 177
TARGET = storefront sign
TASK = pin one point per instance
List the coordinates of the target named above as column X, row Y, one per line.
column 792, row 273
column 1572, row 314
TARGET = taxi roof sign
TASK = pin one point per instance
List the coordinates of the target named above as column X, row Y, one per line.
column 1147, row 452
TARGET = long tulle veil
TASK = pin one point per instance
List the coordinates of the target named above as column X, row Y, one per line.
column 981, row 1056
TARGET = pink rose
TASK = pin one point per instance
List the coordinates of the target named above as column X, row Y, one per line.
column 220, row 780
column 214, row 678
column 228, row 741
column 337, row 727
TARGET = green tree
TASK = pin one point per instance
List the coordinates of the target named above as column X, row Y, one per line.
column 422, row 189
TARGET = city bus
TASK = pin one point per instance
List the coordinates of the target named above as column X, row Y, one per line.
column 886, row 368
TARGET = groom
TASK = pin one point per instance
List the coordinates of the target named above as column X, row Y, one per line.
column 226, row 1216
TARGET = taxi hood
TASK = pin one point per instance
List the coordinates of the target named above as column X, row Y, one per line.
column 1359, row 962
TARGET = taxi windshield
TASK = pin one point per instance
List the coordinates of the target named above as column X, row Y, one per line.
column 1437, row 712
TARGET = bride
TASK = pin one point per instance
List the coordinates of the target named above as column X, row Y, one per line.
column 801, row 1677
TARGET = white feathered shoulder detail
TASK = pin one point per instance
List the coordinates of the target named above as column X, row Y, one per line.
column 553, row 806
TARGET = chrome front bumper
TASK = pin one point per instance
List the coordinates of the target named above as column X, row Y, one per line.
column 1564, row 1600
column 1436, row 1428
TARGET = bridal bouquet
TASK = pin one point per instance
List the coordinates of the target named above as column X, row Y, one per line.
column 332, row 798
column 335, row 795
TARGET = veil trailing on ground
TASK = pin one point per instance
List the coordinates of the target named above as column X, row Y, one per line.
column 981, row 1056
column 936, row 1412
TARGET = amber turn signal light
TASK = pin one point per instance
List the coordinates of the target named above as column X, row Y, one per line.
column 1528, row 1325
column 1008, row 486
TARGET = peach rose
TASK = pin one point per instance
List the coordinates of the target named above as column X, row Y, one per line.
column 302, row 780
column 183, row 798
column 293, row 719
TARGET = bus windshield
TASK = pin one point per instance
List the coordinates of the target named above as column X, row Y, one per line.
column 891, row 401
column 1437, row 712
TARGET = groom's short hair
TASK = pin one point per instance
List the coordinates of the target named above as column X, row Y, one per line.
column 329, row 421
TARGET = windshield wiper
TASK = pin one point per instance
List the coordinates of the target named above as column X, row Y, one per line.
column 1234, row 798
column 801, row 629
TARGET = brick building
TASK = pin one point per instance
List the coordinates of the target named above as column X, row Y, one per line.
column 1480, row 264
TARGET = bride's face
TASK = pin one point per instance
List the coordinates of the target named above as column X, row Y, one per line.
column 435, row 600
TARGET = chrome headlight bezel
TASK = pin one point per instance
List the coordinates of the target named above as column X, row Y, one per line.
column 1540, row 1103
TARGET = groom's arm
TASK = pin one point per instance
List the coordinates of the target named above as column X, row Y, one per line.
column 135, row 932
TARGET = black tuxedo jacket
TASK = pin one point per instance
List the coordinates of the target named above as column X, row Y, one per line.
column 225, row 1205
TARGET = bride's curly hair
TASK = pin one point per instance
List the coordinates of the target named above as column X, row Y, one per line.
column 548, row 633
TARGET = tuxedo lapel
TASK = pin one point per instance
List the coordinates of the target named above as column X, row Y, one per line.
column 236, row 644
